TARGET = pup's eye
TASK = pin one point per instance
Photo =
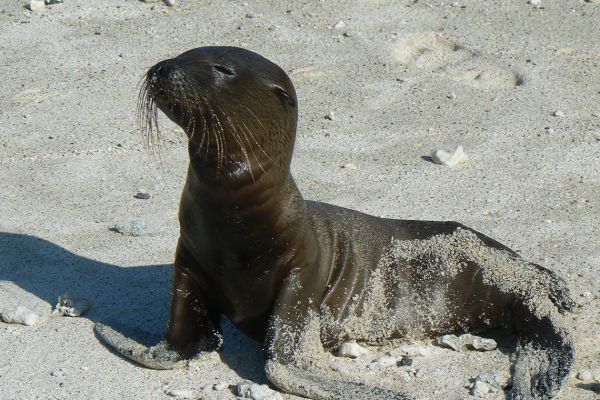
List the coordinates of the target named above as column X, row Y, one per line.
column 223, row 70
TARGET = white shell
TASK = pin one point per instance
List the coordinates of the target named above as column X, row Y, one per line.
column 444, row 158
column 351, row 350
column 36, row 5
column 463, row 342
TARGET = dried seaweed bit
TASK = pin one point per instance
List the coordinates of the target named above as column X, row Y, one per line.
column 71, row 306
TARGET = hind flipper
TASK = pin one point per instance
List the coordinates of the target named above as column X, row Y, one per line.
column 296, row 360
column 545, row 355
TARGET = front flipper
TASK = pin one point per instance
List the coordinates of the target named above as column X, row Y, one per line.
column 155, row 357
column 296, row 359
column 193, row 326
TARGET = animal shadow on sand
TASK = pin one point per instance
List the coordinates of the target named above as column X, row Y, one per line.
column 132, row 300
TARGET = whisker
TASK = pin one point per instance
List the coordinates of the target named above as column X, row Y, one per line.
column 236, row 136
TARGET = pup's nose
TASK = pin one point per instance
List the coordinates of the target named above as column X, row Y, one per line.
column 161, row 72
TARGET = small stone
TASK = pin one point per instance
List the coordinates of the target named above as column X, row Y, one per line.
column 137, row 227
column 142, row 195
column 220, row 386
column 330, row 116
column 351, row 350
column 170, row 3
column 350, row 166
column 50, row 2
column 339, row 25
column 251, row 390
column 182, row 393
column 481, row 389
column 36, row 5
column 558, row 113
column 57, row 373
column 550, row 131
column 449, row 159
column 21, row 315
column 252, row 14
column 494, row 380
column 383, row 362
column 584, row 375
column 535, row 2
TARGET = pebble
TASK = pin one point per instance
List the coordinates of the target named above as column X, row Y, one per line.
column 585, row 298
column 588, row 295
column 253, row 15
column 170, row 3
column 350, row 166
column 71, row 306
column 137, row 227
column 50, row 2
column 220, row 386
column 494, row 380
column 57, row 373
column 339, row 25
column 251, row 390
column 550, row 131
column 481, row 389
column 584, row 375
column 449, row 159
column 330, row 116
column 351, row 350
column 383, row 362
column 182, row 393
column 142, row 195
column 21, row 315
column 536, row 3
column 466, row 341
column 558, row 113
column 36, row 5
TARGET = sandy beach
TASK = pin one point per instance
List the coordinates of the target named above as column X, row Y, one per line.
column 380, row 83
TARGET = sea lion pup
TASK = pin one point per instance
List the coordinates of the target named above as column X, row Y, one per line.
column 304, row 276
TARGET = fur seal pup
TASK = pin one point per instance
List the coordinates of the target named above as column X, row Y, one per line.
column 304, row 276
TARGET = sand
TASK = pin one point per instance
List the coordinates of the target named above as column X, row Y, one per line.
column 517, row 86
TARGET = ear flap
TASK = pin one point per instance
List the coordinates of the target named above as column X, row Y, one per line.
column 283, row 96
